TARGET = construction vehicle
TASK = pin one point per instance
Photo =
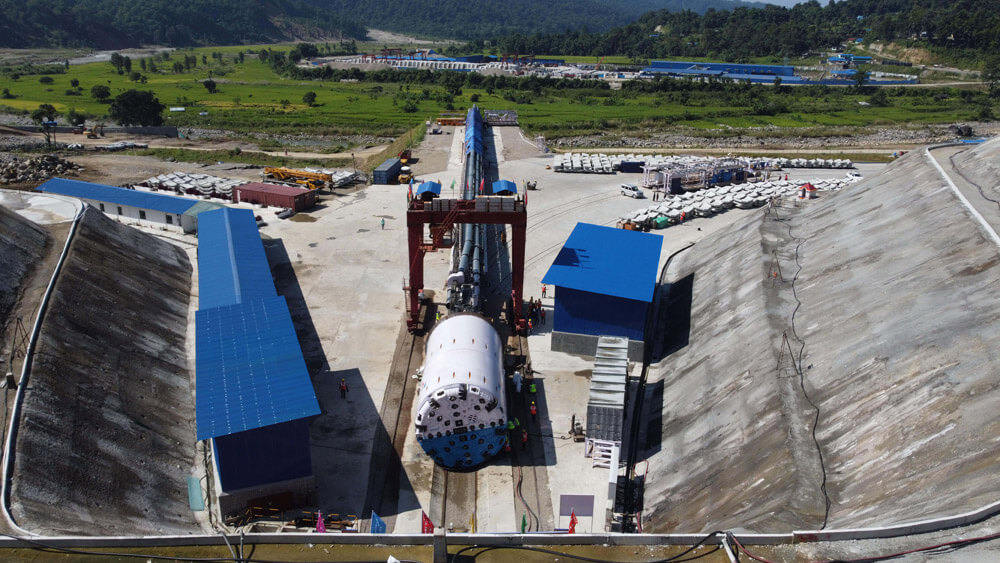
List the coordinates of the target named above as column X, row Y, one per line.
column 405, row 175
column 291, row 176
column 405, row 156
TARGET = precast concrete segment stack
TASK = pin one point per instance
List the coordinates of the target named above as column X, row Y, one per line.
column 107, row 429
column 461, row 405
column 885, row 292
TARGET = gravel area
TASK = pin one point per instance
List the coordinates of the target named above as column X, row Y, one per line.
column 760, row 138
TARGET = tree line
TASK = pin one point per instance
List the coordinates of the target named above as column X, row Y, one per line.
column 773, row 31
column 115, row 24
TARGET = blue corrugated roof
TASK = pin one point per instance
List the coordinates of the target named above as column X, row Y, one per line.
column 607, row 261
column 250, row 371
column 120, row 196
column 782, row 70
column 473, row 130
column 432, row 187
column 503, row 187
column 232, row 266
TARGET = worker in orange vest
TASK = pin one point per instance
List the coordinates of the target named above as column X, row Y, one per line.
column 534, row 412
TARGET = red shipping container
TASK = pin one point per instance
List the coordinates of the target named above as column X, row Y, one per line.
column 274, row 195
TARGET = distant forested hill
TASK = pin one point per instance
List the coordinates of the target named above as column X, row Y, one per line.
column 970, row 26
column 115, row 24
column 480, row 19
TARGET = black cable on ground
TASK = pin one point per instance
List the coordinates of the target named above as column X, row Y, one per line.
column 966, row 178
column 674, row 559
column 797, row 362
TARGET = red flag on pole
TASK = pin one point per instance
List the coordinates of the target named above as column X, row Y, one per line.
column 572, row 522
column 426, row 526
column 482, row 183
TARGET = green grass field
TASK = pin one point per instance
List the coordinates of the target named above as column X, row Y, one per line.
column 251, row 97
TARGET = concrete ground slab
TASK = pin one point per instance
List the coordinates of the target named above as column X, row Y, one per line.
column 45, row 209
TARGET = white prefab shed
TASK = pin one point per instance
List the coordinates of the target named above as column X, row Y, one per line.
column 173, row 212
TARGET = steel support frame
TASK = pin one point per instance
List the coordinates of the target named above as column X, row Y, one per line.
column 418, row 215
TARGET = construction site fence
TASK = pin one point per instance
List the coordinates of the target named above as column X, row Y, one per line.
column 405, row 141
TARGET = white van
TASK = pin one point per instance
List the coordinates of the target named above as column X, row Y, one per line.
column 632, row 190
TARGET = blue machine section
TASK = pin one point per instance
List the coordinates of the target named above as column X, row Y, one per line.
column 504, row 187
column 474, row 131
column 468, row 450
column 583, row 312
column 271, row 454
column 607, row 261
column 232, row 266
column 250, row 371
column 120, row 196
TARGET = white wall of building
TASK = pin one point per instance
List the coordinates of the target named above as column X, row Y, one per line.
column 148, row 217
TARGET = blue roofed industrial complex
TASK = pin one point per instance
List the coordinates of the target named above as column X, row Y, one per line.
column 759, row 74
column 605, row 279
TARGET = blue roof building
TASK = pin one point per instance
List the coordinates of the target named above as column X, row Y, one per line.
column 604, row 281
column 254, row 397
column 160, row 209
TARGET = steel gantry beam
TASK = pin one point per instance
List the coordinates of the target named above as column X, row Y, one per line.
column 441, row 214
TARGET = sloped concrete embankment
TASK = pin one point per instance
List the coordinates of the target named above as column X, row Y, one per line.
column 22, row 245
column 107, row 435
column 980, row 164
column 901, row 323
column 727, row 457
column 897, row 326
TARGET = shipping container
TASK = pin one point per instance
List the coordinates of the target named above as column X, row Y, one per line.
column 387, row 172
column 273, row 195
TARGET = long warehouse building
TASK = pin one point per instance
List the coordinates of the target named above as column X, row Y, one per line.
column 254, row 395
